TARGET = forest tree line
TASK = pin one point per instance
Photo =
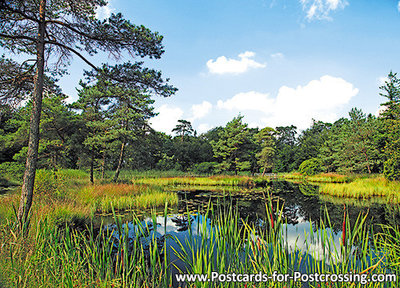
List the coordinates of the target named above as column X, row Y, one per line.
column 107, row 129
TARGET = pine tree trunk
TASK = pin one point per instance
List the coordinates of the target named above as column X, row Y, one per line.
column 33, row 146
column 121, row 159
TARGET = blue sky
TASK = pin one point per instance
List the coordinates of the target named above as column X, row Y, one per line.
column 277, row 62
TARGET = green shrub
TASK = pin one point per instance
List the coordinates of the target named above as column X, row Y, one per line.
column 310, row 167
column 11, row 170
column 205, row 168
column 168, row 163
column 391, row 169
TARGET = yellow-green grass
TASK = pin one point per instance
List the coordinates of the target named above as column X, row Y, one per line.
column 223, row 190
column 101, row 198
column 75, row 176
column 53, row 257
column 6, row 203
column 365, row 188
column 66, row 196
column 357, row 202
column 320, row 178
column 56, row 209
column 244, row 181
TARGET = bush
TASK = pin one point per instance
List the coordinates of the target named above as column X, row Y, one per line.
column 205, row 168
column 12, row 171
column 310, row 167
column 391, row 169
column 168, row 163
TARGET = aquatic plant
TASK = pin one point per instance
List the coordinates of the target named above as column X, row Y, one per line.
column 116, row 256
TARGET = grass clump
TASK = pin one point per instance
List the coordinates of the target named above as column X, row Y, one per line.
column 365, row 188
column 230, row 247
column 133, row 255
column 243, row 181
column 102, row 198
column 128, row 175
column 51, row 256
column 320, row 178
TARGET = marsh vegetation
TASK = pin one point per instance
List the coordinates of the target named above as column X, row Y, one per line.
column 125, row 235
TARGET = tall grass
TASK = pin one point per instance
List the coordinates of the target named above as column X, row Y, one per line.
column 320, row 178
column 206, row 181
column 54, row 257
column 127, row 175
column 230, row 248
column 102, row 198
column 119, row 257
column 66, row 196
column 365, row 188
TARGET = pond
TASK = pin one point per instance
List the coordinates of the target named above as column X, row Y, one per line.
column 303, row 213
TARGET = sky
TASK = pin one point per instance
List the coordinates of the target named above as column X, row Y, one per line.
column 276, row 62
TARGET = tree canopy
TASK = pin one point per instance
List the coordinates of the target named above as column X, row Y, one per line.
column 57, row 30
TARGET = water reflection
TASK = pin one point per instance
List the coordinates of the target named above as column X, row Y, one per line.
column 303, row 210
column 299, row 202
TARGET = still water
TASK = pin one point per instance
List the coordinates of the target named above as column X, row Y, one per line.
column 302, row 209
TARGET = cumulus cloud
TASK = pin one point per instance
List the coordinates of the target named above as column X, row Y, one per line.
column 201, row 110
column 167, row 118
column 246, row 101
column 203, row 127
column 223, row 65
column 320, row 9
column 318, row 99
column 398, row 6
column 104, row 12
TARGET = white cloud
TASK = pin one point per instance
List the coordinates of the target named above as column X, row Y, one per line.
column 398, row 6
column 203, row 127
column 167, row 118
column 201, row 110
column 104, row 12
column 319, row 99
column 251, row 100
column 320, row 9
column 223, row 65
column 277, row 56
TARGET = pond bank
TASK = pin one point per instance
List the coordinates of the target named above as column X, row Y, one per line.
column 352, row 186
column 65, row 255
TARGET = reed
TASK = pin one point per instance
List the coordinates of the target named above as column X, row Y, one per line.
column 54, row 257
column 231, row 248
column 114, row 256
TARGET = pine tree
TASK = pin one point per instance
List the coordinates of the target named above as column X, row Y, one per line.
column 61, row 29
column 229, row 149
column 266, row 157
